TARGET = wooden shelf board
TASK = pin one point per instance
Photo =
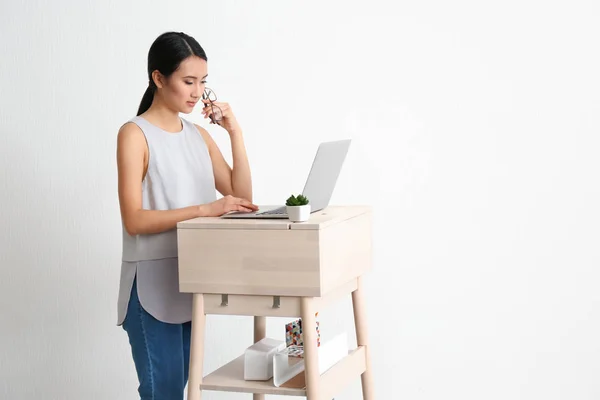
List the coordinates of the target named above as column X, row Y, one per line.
column 230, row 377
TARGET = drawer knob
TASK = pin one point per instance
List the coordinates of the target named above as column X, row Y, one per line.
column 224, row 300
column 276, row 302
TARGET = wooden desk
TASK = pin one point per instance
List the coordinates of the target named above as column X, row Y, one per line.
column 265, row 268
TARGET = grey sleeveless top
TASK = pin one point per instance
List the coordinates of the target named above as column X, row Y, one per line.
column 179, row 175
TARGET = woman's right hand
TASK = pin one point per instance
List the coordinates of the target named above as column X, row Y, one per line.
column 227, row 204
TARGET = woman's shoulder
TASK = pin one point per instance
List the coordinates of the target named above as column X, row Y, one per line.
column 130, row 130
column 131, row 123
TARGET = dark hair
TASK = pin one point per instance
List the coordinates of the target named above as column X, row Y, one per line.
column 165, row 55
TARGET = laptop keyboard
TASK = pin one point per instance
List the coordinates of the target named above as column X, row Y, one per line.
column 275, row 211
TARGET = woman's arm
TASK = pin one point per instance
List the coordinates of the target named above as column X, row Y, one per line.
column 236, row 181
column 241, row 179
column 132, row 163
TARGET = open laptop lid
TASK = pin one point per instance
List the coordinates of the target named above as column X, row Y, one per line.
column 324, row 173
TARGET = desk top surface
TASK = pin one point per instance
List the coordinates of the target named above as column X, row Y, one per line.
column 318, row 220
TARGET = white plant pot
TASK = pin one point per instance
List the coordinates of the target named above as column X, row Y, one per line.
column 298, row 213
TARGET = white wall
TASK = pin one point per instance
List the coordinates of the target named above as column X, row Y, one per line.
column 475, row 130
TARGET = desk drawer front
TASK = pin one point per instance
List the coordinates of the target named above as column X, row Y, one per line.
column 257, row 262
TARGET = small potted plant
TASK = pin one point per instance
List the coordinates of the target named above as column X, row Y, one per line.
column 298, row 208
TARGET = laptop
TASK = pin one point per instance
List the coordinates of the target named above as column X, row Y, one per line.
column 319, row 185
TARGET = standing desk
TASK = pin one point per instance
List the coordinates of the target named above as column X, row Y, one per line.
column 277, row 268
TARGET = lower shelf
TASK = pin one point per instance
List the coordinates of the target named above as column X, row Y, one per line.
column 230, row 377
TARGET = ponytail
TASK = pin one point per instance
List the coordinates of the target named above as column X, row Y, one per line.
column 146, row 100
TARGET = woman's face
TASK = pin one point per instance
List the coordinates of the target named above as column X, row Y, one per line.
column 184, row 88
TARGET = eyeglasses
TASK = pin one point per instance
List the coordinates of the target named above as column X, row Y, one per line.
column 217, row 115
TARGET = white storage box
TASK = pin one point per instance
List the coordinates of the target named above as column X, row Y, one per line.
column 258, row 359
column 286, row 367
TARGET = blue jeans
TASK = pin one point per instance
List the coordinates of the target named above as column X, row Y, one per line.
column 161, row 352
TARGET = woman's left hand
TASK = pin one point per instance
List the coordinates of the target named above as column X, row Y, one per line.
column 222, row 113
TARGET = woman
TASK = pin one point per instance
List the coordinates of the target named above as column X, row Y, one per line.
column 169, row 170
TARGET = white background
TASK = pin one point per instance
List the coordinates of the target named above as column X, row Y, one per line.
column 475, row 139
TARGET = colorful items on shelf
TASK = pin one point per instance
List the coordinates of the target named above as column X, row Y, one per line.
column 294, row 338
column 293, row 333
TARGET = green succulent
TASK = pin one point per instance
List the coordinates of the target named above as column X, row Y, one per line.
column 299, row 200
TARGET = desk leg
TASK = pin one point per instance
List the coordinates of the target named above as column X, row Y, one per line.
column 311, row 355
column 360, row 322
column 197, row 348
column 260, row 332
